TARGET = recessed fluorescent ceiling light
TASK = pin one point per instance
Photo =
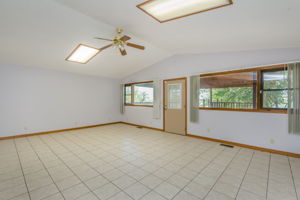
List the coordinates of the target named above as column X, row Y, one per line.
column 166, row 10
column 82, row 54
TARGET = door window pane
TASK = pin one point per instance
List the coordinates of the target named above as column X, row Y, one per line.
column 174, row 96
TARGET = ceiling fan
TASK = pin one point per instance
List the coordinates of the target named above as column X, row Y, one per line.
column 83, row 53
column 120, row 41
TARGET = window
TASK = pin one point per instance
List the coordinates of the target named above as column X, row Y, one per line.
column 139, row 94
column 259, row 89
column 274, row 89
column 128, row 94
column 234, row 91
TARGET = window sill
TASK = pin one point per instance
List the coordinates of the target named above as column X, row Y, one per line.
column 139, row 105
column 248, row 110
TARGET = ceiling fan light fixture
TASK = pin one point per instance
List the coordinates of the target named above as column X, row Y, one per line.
column 82, row 54
column 167, row 10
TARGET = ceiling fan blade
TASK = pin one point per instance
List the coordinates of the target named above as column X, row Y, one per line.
column 123, row 52
column 135, row 46
column 105, row 47
column 125, row 38
column 102, row 39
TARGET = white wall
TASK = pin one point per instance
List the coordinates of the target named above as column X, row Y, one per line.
column 34, row 100
column 258, row 129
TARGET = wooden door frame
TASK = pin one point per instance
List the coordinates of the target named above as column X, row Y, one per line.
column 164, row 92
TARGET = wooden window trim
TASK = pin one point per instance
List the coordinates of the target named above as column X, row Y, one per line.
column 263, row 90
column 132, row 94
column 244, row 70
column 134, row 105
column 282, row 111
column 258, row 89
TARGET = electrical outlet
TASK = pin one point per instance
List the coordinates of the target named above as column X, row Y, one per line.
column 272, row 141
column 208, row 130
column 25, row 128
column 76, row 123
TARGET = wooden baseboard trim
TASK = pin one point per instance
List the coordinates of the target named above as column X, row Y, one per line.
column 227, row 142
column 56, row 131
column 247, row 146
column 158, row 129
column 148, row 127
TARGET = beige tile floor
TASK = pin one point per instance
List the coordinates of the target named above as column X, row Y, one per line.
column 121, row 162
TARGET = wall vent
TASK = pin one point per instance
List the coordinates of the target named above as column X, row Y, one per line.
column 226, row 145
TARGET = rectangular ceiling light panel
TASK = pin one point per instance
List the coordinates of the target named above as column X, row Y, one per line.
column 82, row 54
column 166, row 10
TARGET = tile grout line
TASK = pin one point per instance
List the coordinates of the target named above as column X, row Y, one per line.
column 293, row 178
column 223, row 173
column 268, row 179
column 87, row 148
column 99, row 174
column 121, row 176
column 152, row 173
column 253, row 152
column 199, row 174
column 111, row 170
column 81, row 181
column 44, row 167
column 21, row 169
column 164, row 181
column 181, row 168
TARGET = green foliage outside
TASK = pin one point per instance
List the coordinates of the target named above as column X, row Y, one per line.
column 128, row 95
column 233, row 94
column 232, row 97
column 278, row 96
column 242, row 97
column 143, row 95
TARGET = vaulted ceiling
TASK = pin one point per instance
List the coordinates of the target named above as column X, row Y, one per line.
column 246, row 25
column 42, row 33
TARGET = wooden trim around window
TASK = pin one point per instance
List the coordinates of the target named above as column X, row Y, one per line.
column 283, row 111
column 258, row 90
column 244, row 70
column 132, row 93
column 139, row 105
column 137, row 83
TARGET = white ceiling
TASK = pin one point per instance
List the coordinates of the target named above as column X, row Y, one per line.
column 42, row 33
column 246, row 25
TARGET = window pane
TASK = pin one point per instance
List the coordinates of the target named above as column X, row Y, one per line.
column 233, row 91
column 127, row 94
column 275, row 99
column 174, row 96
column 143, row 94
column 275, row 79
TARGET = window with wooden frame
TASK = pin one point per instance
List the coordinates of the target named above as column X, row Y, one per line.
column 253, row 90
column 274, row 89
column 139, row 94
